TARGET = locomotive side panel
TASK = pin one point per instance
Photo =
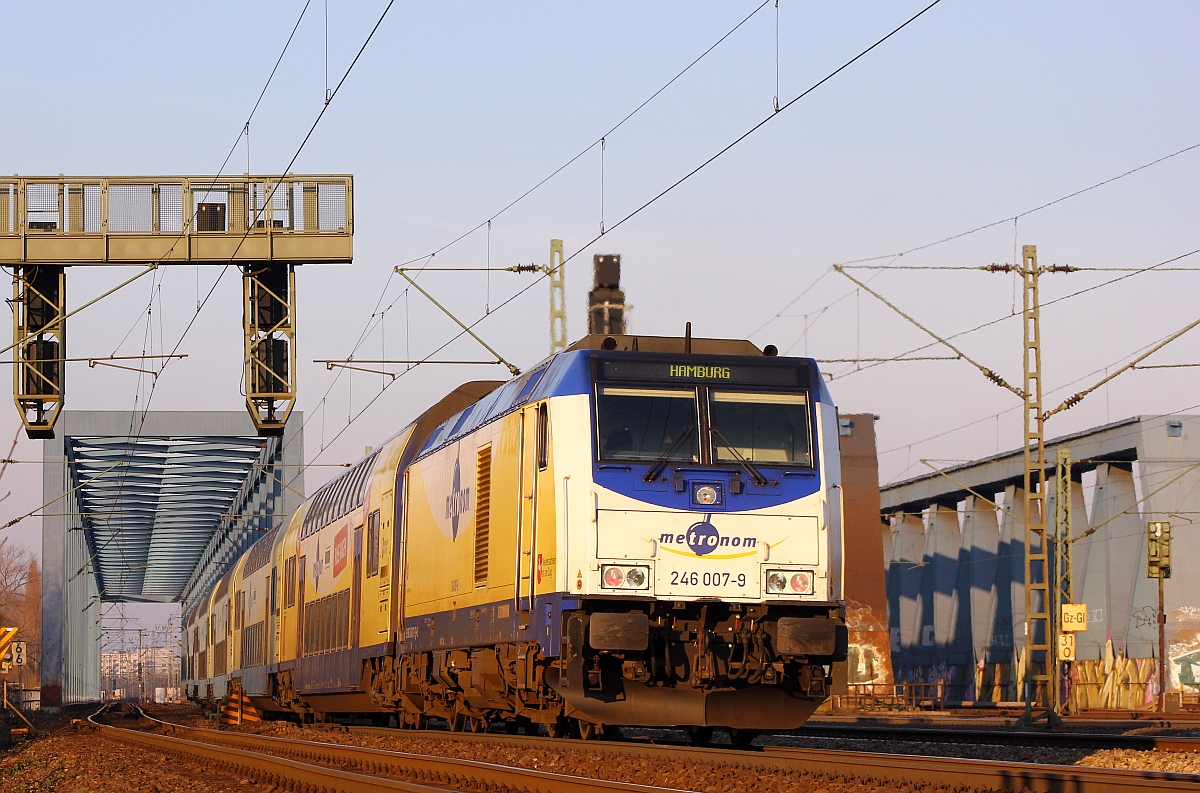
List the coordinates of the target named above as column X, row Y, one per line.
column 462, row 508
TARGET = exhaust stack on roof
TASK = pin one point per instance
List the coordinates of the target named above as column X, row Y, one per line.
column 606, row 301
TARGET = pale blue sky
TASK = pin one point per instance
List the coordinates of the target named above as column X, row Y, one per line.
column 973, row 114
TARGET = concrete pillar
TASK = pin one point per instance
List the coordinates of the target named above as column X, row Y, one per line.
column 1010, row 573
column 1115, row 562
column 1169, row 449
column 905, row 591
column 942, row 546
column 981, row 549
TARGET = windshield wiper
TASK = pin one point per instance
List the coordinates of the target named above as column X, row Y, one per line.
column 665, row 457
column 755, row 474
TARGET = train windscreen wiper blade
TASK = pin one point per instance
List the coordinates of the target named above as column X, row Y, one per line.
column 665, row 457
column 755, row 474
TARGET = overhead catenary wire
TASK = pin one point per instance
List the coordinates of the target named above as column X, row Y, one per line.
column 299, row 149
column 469, row 328
column 1012, row 219
column 996, row 416
column 1045, row 304
column 988, row 373
column 597, row 142
column 704, row 164
column 371, row 324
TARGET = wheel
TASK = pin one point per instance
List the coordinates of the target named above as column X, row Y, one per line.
column 561, row 727
column 532, row 728
column 458, row 721
column 740, row 739
column 512, row 727
column 414, row 721
column 589, row 730
column 477, row 724
column 700, row 736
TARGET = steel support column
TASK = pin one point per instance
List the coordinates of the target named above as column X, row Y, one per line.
column 40, row 344
column 1060, row 564
column 1040, row 695
column 268, row 317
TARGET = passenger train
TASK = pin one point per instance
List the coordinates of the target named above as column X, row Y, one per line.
column 638, row 531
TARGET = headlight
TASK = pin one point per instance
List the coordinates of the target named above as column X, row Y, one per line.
column 802, row 583
column 706, row 495
column 792, row 582
column 623, row 577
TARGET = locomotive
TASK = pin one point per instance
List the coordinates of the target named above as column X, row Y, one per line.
column 637, row 531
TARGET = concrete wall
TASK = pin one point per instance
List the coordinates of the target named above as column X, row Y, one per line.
column 955, row 582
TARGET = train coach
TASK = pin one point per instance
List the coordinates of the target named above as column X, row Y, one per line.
column 637, row 531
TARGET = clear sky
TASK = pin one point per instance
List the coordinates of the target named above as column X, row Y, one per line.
column 975, row 113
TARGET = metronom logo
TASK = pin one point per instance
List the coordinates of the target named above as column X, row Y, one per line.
column 703, row 538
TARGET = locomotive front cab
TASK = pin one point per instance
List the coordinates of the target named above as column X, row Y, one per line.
column 715, row 589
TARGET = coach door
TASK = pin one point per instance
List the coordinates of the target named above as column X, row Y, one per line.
column 527, row 515
column 534, row 430
column 300, row 608
column 389, row 532
column 357, row 589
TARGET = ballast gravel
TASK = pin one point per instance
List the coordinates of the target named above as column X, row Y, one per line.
column 682, row 774
column 689, row 775
column 81, row 761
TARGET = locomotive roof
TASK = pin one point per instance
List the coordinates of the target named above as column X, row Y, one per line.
column 561, row 373
column 676, row 344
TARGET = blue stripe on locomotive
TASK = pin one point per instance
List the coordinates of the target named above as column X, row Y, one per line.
column 568, row 374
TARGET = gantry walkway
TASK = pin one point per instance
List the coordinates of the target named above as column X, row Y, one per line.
column 176, row 219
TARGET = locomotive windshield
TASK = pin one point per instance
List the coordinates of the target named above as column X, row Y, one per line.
column 761, row 428
column 647, row 424
column 710, row 413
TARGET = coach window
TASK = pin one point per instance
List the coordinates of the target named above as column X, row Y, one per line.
column 543, row 437
column 373, row 544
column 289, row 582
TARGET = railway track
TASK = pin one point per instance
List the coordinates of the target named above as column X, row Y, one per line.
column 1062, row 740
column 319, row 766
column 872, row 767
column 445, row 773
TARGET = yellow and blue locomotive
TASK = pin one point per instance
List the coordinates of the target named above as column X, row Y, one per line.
column 637, row 531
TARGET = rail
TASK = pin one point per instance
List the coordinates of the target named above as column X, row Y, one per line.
column 1004, row 737
column 300, row 764
column 865, row 767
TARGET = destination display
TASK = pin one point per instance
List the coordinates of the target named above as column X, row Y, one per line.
column 667, row 371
